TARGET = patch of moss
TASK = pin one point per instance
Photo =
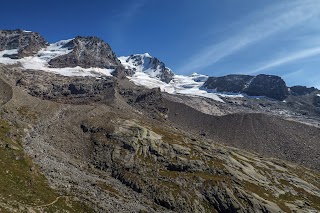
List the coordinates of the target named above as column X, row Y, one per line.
column 216, row 163
column 261, row 192
column 170, row 174
column 27, row 113
column 108, row 188
column 167, row 136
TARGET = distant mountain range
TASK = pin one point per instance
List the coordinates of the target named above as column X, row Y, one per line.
column 91, row 56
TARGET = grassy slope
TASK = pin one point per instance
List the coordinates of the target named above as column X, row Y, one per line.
column 22, row 186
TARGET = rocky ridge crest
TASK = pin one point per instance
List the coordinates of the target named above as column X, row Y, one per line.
column 87, row 52
column 27, row 43
column 261, row 85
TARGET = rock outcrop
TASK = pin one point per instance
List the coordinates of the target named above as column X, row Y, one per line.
column 87, row 52
column 316, row 100
column 267, row 85
column 25, row 42
column 261, row 85
column 228, row 83
column 301, row 90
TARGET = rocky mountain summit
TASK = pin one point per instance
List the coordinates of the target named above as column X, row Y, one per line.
column 21, row 43
column 149, row 65
column 87, row 52
column 261, row 85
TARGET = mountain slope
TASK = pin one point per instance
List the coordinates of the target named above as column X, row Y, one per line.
column 260, row 133
column 111, row 144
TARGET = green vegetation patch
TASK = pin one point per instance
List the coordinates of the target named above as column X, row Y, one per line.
column 22, row 186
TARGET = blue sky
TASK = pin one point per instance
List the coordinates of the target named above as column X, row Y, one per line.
column 213, row 37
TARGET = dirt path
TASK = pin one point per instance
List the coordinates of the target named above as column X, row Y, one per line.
column 50, row 204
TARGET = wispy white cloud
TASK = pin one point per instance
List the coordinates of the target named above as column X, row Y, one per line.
column 119, row 22
column 269, row 22
column 131, row 10
column 301, row 54
column 125, row 16
column 302, row 77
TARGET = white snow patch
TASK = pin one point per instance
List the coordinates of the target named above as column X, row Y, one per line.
column 147, row 55
column 179, row 85
column 5, row 60
column 43, row 57
column 318, row 95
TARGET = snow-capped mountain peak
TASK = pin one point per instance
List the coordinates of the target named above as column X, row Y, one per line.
column 149, row 65
column 147, row 55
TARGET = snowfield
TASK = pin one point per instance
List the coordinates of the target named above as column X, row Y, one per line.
column 187, row 85
column 41, row 61
column 180, row 84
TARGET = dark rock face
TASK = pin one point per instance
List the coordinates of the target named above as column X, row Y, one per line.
column 87, row 52
column 120, row 72
column 301, row 90
column 166, row 74
column 27, row 43
column 62, row 89
column 228, row 83
column 147, row 99
column 261, row 85
column 316, row 100
column 267, row 85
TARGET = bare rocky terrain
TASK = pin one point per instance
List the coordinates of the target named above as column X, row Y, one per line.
column 106, row 145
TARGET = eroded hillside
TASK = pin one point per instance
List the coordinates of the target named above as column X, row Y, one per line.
column 110, row 145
